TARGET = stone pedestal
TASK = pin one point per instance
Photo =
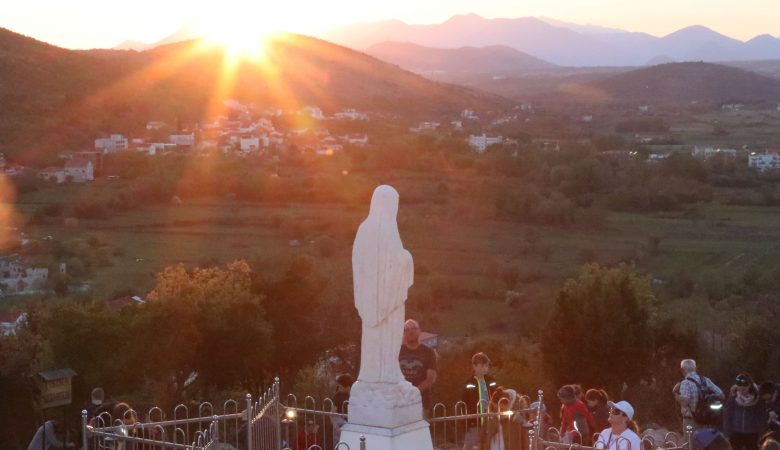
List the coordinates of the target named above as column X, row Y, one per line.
column 414, row 436
column 389, row 415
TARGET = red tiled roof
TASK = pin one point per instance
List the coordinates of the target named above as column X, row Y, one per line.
column 10, row 316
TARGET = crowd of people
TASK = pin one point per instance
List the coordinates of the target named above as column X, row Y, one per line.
column 743, row 417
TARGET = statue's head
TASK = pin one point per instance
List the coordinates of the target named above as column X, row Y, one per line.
column 384, row 202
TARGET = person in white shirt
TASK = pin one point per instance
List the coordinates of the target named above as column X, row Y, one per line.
column 622, row 433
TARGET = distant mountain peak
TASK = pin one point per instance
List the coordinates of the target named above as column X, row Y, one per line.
column 464, row 18
column 580, row 28
column 694, row 30
column 763, row 37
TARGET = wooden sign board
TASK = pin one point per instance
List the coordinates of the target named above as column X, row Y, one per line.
column 55, row 387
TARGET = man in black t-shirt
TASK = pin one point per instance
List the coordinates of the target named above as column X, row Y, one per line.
column 418, row 363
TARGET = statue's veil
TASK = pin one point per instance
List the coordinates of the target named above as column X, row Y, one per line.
column 382, row 270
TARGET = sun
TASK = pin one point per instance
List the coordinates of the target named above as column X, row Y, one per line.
column 242, row 38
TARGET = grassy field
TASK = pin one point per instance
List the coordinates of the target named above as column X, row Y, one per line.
column 747, row 127
column 463, row 266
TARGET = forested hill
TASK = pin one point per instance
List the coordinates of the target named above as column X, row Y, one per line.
column 679, row 83
column 53, row 99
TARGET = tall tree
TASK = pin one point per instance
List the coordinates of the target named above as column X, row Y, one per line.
column 209, row 321
column 600, row 332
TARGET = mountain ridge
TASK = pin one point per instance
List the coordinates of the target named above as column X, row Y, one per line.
column 61, row 99
column 562, row 43
column 558, row 42
column 496, row 60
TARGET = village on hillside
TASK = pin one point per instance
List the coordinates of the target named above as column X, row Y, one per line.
column 250, row 131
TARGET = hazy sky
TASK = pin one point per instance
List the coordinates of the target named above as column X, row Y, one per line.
column 92, row 23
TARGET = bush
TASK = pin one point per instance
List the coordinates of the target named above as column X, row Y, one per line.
column 76, row 267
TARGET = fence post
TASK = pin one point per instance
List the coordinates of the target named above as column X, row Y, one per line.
column 278, row 408
column 362, row 442
column 689, row 435
column 249, row 417
column 84, row 429
column 537, row 428
column 214, row 428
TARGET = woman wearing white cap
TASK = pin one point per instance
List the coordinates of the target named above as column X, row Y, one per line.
column 622, row 434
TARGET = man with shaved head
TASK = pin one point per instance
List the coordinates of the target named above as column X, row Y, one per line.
column 418, row 363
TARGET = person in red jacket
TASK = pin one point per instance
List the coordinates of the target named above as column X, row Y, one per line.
column 577, row 424
column 308, row 437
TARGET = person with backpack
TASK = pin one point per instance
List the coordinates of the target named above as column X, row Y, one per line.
column 745, row 416
column 695, row 394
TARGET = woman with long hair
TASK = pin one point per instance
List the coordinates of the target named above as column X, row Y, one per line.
column 745, row 416
column 577, row 424
column 596, row 400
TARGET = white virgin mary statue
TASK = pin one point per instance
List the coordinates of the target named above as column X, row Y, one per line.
column 382, row 273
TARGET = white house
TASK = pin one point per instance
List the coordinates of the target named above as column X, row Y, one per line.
column 111, row 144
column 656, row 157
column 235, row 105
column 350, row 114
column 156, row 147
column 54, row 174
column 469, row 115
column 356, row 139
column 764, row 161
column 314, row 112
column 15, row 278
column 183, row 140
column 425, row 126
column 481, row 142
column 10, row 322
column 250, row 144
column 709, row 152
column 79, row 171
column 328, row 146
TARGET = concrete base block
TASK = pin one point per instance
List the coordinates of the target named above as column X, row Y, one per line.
column 414, row 436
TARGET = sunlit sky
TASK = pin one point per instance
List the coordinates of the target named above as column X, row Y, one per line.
column 104, row 24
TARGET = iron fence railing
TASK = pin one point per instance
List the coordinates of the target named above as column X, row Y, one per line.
column 272, row 423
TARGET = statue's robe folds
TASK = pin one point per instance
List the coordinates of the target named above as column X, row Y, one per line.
column 382, row 272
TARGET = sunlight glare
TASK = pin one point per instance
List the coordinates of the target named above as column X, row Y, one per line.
column 241, row 38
